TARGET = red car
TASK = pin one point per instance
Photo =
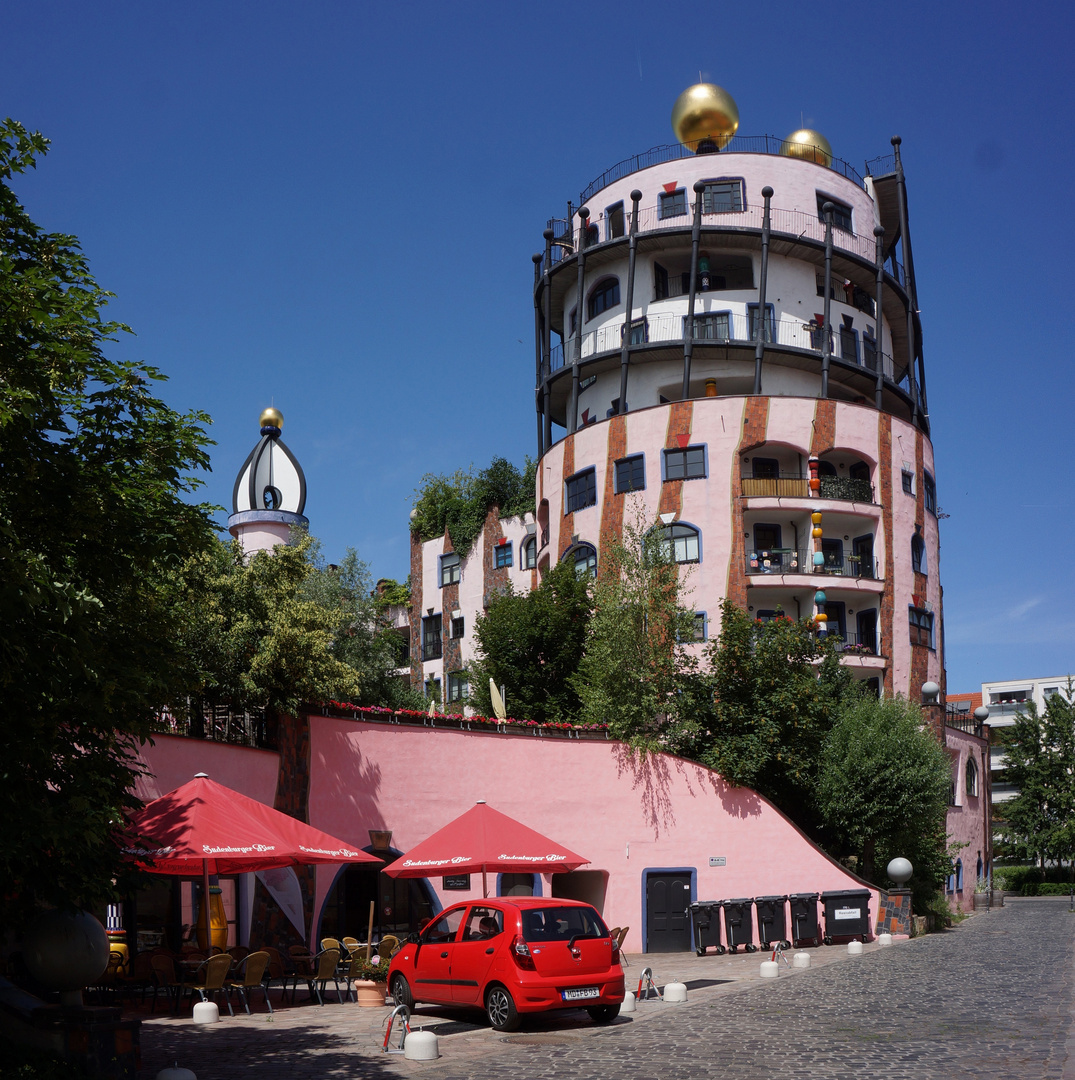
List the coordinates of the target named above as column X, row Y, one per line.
column 510, row 956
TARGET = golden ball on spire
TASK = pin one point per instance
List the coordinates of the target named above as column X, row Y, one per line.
column 807, row 145
column 272, row 417
column 705, row 117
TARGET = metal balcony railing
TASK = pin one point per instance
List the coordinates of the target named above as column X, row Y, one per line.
column 789, row 561
column 858, row 644
column 962, row 721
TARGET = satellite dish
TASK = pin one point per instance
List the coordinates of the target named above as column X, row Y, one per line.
column 499, row 710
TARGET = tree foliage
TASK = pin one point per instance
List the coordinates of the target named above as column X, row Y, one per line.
column 883, row 789
column 93, row 473
column 531, row 645
column 636, row 655
column 1040, row 763
column 460, row 502
column 775, row 688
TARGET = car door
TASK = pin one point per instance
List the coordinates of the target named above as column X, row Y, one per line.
column 431, row 975
column 475, row 952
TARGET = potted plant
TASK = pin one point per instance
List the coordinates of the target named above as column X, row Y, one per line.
column 371, row 980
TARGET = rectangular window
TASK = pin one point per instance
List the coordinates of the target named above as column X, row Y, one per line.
column 502, row 556
column 833, row 550
column 921, row 624
column 615, row 221
column 660, row 282
column 700, row 626
column 722, row 197
column 714, row 327
column 752, row 311
column 849, row 344
column 869, row 350
column 908, row 482
column 686, row 464
column 431, row 638
column 458, row 689
column 639, row 331
column 929, row 493
column 458, row 627
column 580, row 491
column 630, row 474
column 841, row 213
column 449, row 569
column 672, row 204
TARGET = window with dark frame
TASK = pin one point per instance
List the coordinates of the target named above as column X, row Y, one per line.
column 502, row 556
column 606, row 295
column 681, row 543
column 672, row 203
column 580, row 490
column 722, row 197
column 458, row 627
column 929, row 493
column 700, row 626
column 528, row 558
column 431, row 638
column 869, row 350
column 849, row 341
column 921, row 626
column 660, row 282
column 630, row 474
column 615, row 220
column 458, row 689
column 918, row 554
column 841, row 213
column 685, row 464
column 584, row 558
column 908, row 482
column 450, row 569
column 770, row 319
column 715, row 326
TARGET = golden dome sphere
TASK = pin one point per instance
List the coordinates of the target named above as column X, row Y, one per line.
column 703, row 114
column 807, row 145
column 272, row 417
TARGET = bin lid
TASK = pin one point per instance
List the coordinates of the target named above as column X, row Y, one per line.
column 741, row 900
column 803, row 896
column 769, row 899
column 839, row 894
column 698, row 905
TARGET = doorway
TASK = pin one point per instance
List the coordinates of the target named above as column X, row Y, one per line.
column 668, row 910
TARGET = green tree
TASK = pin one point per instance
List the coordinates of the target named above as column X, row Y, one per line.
column 883, row 790
column 531, row 645
column 94, row 470
column 1040, row 763
column 773, row 694
column 637, row 646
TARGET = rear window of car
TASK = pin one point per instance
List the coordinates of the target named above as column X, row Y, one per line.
column 562, row 923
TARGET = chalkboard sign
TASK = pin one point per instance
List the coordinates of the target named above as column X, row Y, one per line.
column 456, row 881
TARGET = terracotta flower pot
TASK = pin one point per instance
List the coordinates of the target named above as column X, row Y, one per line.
column 369, row 993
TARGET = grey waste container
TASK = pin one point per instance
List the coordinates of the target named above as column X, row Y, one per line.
column 705, row 918
column 847, row 914
column 738, row 925
column 804, row 925
column 772, row 928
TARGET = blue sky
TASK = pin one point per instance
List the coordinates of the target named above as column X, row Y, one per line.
column 332, row 206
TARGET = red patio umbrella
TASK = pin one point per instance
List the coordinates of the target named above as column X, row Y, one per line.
column 481, row 840
column 204, row 828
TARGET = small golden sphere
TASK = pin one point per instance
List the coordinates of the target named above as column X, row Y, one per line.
column 705, row 114
column 807, row 145
column 272, row 417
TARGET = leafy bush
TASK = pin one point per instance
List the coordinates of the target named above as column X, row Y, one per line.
column 1046, row 888
column 28, row 1063
column 846, row 487
column 374, row 971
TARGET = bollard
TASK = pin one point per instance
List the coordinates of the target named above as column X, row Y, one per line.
column 174, row 1072
column 769, row 969
column 421, row 1046
column 884, row 939
column 675, row 992
column 801, row 960
column 628, row 1005
column 651, row 987
column 206, row 1012
column 854, row 948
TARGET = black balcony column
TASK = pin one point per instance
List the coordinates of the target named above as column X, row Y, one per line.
column 908, row 276
column 826, row 329
column 759, row 346
column 573, row 408
column 688, row 336
column 625, row 352
column 546, row 342
column 878, row 393
column 538, row 336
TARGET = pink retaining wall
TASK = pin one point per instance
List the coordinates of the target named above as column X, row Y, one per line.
column 625, row 814
column 174, row 759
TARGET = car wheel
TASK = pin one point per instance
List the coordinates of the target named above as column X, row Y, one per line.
column 500, row 1009
column 401, row 991
column 603, row 1014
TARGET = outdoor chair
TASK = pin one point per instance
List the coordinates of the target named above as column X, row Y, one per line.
column 239, row 953
column 331, row 943
column 619, row 945
column 301, row 960
column 324, row 970
column 254, row 966
column 215, row 970
column 140, row 975
column 389, row 945
column 278, row 972
column 164, row 979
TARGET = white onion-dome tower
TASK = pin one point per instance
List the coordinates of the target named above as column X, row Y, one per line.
column 270, row 491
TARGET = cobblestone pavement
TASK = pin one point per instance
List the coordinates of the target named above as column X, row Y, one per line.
column 992, row 998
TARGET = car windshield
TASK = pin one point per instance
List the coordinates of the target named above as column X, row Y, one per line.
column 562, row 924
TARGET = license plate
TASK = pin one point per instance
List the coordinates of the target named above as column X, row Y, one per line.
column 581, row 993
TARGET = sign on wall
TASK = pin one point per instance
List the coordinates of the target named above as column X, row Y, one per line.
column 455, row 881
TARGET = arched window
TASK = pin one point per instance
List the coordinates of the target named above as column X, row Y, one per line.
column 681, row 543
column 605, row 295
column 918, row 554
column 972, row 776
column 529, row 554
column 959, row 875
column 584, row 556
